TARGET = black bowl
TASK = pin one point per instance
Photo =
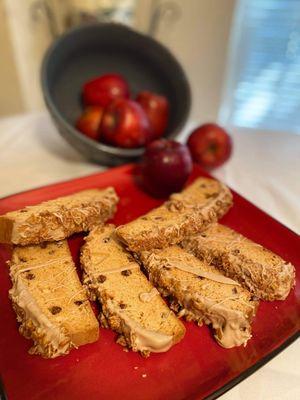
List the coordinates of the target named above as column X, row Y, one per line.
column 92, row 50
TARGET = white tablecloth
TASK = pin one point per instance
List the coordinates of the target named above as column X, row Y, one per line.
column 265, row 168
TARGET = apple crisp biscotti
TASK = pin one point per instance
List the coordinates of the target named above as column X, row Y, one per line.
column 184, row 214
column 131, row 306
column 264, row 273
column 58, row 219
column 199, row 292
column 49, row 300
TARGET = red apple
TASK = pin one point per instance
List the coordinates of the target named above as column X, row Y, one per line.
column 210, row 145
column 165, row 167
column 89, row 122
column 157, row 109
column 102, row 90
column 125, row 124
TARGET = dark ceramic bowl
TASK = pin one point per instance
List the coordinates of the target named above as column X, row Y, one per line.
column 92, row 50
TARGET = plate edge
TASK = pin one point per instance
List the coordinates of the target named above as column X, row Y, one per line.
column 225, row 388
column 3, row 395
column 249, row 371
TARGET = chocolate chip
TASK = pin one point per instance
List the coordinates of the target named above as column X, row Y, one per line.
column 200, row 277
column 203, row 235
column 234, row 290
column 55, row 310
column 101, row 278
column 43, row 245
column 30, row 276
column 106, row 240
column 122, row 305
column 210, row 195
column 235, row 252
column 78, row 302
column 171, row 298
column 217, row 261
column 126, row 272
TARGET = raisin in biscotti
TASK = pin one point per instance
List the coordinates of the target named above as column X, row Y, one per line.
column 184, row 214
column 264, row 273
column 131, row 306
column 58, row 219
column 50, row 302
column 199, row 292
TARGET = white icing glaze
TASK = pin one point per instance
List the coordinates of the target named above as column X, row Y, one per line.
column 146, row 297
column 60, row 343
column 141, row 339
column 125, row 268
column 251, row 265
column 16, row 271
column 232, row 328
column 179, row 264
column 94, row 276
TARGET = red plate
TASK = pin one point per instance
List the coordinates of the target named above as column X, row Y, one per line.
column 195, row 368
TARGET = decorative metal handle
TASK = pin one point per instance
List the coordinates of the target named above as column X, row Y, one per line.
column 41, row 9
column 169, row 12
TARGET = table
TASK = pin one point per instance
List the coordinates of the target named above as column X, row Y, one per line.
column 264, row 167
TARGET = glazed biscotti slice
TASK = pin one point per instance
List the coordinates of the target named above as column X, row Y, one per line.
column 49, row 300
column 200, row 293
column 184, row 214
column 58, row 219
column 131, row 306
column 264, row 273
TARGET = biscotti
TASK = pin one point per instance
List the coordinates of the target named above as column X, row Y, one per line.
column 58, row 219
column 264, row 273
column 49, row 300
column 199, row 292
column 184, row 214
column 131, row 306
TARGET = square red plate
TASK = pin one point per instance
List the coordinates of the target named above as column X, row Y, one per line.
column 196, row 368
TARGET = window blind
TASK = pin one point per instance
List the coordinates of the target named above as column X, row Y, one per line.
column 263, row 77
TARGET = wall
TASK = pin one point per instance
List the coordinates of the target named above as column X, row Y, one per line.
column 10, row 93
column 199, row 38
column 30, row 38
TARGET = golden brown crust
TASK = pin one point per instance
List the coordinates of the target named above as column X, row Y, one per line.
column 42, row 346
column 49, row 300
column 227, row 307
column 129, row 305
column 184, row 214
column 264, row 273
column 58, row 219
